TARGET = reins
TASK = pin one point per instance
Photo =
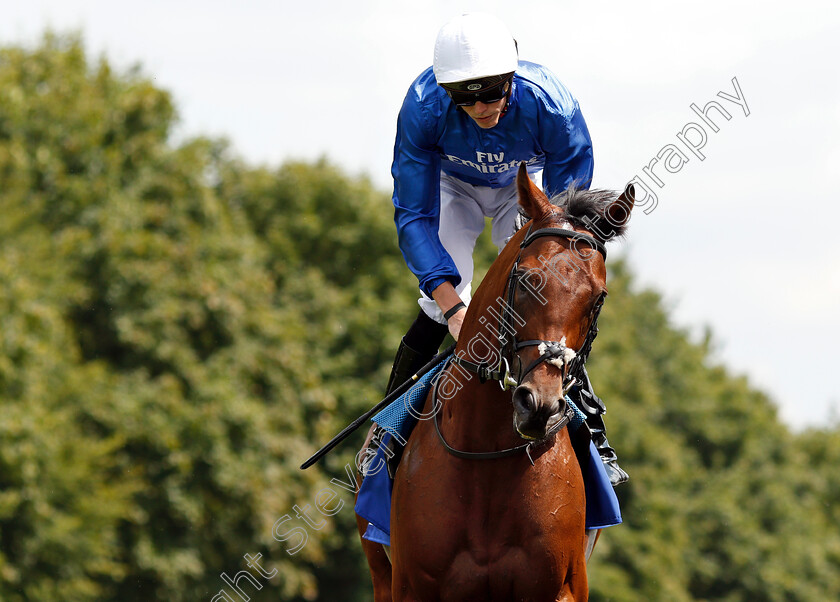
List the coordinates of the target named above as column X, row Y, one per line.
column 503, row 453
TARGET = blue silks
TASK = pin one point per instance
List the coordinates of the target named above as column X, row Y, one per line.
column 543, row 127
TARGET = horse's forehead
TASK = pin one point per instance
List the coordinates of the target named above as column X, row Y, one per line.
column 579, row 260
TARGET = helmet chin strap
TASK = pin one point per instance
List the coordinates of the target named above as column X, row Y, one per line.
column 506, row 107
column 507, row 99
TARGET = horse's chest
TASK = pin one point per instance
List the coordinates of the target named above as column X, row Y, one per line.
column 504, row 530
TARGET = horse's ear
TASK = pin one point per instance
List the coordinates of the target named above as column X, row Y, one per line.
column 618, row 212
column 532, row 199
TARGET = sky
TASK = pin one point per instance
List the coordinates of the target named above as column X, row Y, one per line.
column 741, row 241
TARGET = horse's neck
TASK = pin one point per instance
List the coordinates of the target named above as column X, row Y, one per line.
column 478, row 409
column 481, row 411
column 478, row 417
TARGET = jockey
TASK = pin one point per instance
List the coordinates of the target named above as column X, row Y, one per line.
column 465, row 125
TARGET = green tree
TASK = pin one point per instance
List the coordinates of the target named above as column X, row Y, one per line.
column 176, row 419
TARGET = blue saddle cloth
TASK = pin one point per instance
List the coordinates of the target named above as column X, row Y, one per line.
column 400, row 417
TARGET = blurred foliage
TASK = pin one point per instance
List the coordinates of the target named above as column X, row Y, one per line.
column 180, row 330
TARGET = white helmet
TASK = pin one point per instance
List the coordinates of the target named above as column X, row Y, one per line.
column 474, row 46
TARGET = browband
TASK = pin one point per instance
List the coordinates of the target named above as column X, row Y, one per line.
column 591, row 241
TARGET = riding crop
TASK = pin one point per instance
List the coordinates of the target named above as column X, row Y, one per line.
column 395, row 394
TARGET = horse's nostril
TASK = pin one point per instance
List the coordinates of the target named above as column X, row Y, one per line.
column 524, row 399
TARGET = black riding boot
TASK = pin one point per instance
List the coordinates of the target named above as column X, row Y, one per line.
column 419, row 345
column 594, row 408
column 417, row 348
column 406, row 364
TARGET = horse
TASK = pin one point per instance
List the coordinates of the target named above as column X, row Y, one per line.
column 488, row 500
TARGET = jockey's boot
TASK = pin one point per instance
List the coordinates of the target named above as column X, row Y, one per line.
column 406, row 364
column 419, row 345
column 417, row 348
column 594, row 408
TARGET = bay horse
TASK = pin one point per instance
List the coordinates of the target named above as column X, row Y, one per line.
column 511, row 527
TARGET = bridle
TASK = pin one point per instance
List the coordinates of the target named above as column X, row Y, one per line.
column 571, row 362
column 550, row 350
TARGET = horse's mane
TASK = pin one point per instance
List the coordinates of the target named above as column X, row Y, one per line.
column 582, row 208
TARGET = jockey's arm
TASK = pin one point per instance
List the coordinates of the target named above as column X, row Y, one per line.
column 568, row 153
column 446, row 298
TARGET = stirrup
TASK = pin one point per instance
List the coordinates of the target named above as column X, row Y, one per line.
column 365, row 459
column 593, row 406
column 616, row 474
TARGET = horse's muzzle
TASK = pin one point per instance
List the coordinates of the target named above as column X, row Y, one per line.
column 534, row 417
